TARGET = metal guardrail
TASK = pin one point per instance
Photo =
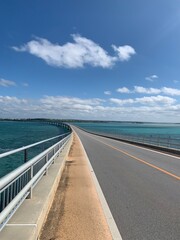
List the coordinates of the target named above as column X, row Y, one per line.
column 25, row 148
column 16, row 186
column 159, row 141
column 153, row 140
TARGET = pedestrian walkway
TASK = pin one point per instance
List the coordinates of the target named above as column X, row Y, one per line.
column 76, row 212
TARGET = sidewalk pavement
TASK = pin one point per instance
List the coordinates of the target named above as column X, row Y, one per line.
column 76, row 212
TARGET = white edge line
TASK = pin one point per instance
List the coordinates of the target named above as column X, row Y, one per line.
column 109, row 218
column 21, row 224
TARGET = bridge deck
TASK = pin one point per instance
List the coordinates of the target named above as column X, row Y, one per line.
column 141, row 187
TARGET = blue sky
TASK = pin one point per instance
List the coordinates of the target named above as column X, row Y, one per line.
column 105, row 60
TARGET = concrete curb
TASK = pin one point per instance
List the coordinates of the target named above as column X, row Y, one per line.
column 27, row 222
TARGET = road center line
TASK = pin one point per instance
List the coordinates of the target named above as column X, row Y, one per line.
column 139, row 159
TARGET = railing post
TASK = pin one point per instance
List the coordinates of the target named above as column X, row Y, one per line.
column 46, row 160
column 30, row 190
column 25, row 156
column 53, row 155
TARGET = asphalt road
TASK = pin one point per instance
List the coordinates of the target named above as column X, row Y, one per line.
column 141, row 187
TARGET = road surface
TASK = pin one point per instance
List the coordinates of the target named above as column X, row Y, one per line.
column 141, row 187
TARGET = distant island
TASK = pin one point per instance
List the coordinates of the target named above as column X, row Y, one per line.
column 78, row 121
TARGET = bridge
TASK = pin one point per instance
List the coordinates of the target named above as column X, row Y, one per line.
column 138, row 189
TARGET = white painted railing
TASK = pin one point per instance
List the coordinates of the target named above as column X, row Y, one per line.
column 16, row 186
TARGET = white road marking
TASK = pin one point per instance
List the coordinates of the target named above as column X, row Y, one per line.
column 21, row 224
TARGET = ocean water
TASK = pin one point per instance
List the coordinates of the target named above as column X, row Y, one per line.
column 159, row 134
column 15, row 134
column 132, row 128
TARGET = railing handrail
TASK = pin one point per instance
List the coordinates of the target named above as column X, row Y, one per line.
column 29, row 146
column 17, row 177
column 4, row 181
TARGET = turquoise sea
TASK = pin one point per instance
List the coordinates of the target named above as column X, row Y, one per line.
column 15, row 134
column 133, row 128
column 159, row 134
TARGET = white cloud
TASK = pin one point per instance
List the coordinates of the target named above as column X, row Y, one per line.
column 122, row 101
column 6, row 83
column 75, row 55
column 107, row 92
column 60, row 100
column 123, row 90
column 124, row 52
column 153, row 100
column 163, row 90
column 153, row 108
column 139, row 89
column 170, row 91
column 151, row 78
column 14, row 100
column 152, row 91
